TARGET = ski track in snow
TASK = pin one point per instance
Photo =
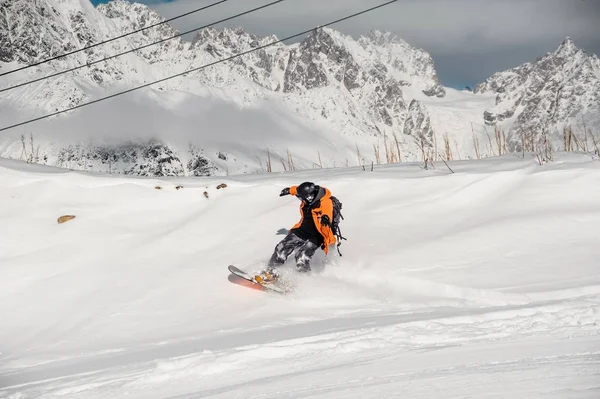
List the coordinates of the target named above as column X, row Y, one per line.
column 483, row 283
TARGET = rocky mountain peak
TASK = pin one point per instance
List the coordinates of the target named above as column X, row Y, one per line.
column 30, row 31
column 539, row 97
column 130, row 17
column 136, row 16
column 566, row 48
column 231, row 38
column 407, row 63
column 385, row 38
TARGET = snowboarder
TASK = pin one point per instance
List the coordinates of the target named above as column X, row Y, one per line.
column 312, row 232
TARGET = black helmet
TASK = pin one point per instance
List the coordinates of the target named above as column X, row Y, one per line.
column 307, row 191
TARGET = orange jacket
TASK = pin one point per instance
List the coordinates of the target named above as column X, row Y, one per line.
column 325, row 208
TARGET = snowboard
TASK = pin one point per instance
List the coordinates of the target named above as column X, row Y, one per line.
column 266, row 287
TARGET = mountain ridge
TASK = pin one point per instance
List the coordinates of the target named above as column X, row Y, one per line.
column 358, row 92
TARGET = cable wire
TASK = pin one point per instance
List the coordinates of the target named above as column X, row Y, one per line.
column 198, row 68
column 137, row 48
column 113, row 39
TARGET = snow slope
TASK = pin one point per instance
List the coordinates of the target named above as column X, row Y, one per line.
column 483, row 283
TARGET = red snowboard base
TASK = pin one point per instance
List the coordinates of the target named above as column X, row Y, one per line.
column 250, row 282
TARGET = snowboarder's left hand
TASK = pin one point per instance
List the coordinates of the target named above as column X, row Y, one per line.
column 285, row 191
column 325, row 220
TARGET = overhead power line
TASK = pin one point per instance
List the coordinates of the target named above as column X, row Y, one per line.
column 113, row 39
column 89, row 64
column 198, row 68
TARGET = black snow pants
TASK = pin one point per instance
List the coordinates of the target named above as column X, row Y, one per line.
column 305, row 249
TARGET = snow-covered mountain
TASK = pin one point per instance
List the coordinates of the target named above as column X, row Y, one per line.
column 559, row 89
column 329, row 99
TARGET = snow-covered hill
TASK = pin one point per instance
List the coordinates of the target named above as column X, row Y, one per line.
column 483, row 283
column 329, row 100
column 560, row 89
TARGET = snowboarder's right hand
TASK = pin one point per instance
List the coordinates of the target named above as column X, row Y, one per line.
column 285, row 191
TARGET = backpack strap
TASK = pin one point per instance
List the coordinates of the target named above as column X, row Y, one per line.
column 338, row 234
column 340, row 237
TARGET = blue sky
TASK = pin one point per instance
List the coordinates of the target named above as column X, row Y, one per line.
column 469, row 40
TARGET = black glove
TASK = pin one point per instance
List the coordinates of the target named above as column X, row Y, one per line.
column 325, row 220
column 285, row 191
